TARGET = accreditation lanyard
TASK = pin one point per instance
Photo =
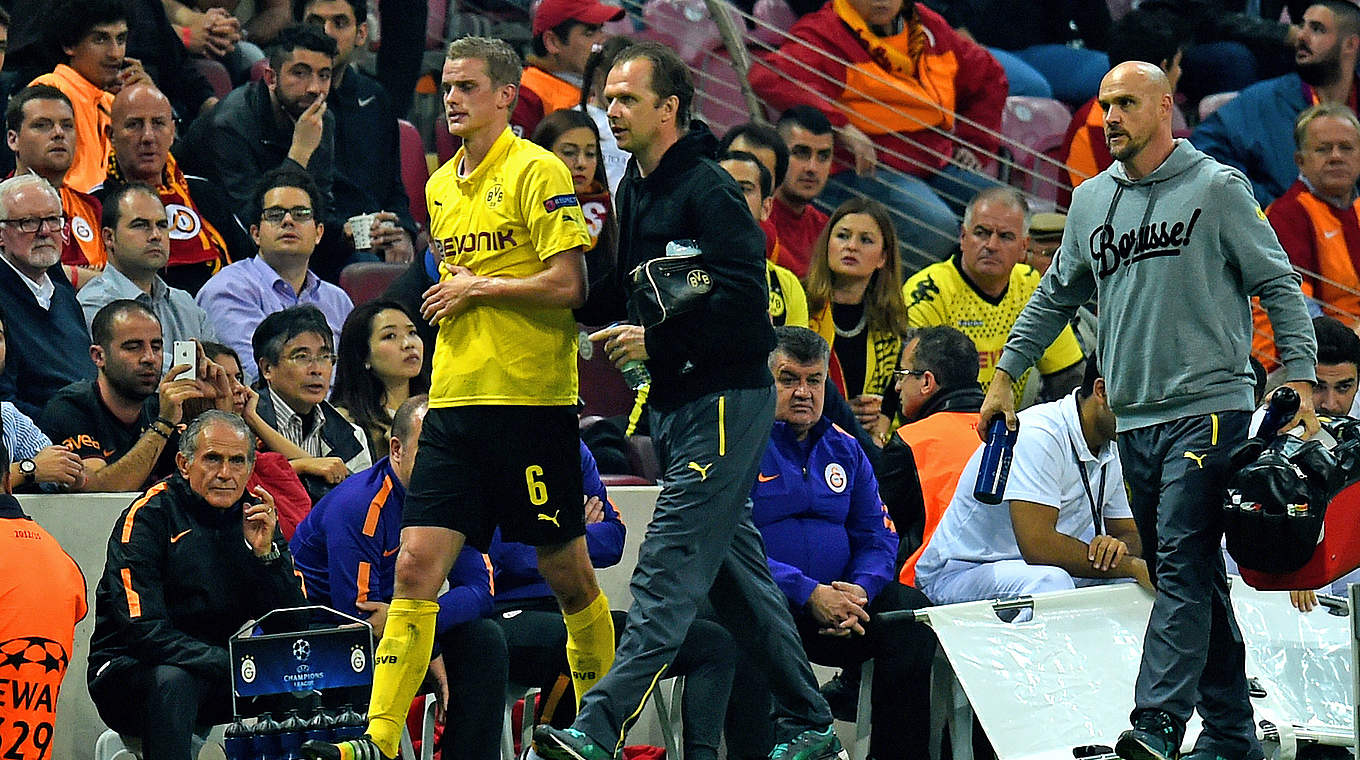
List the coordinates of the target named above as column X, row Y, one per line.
column 1097, row 508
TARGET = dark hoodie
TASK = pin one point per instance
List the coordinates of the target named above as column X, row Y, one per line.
column 723, row 345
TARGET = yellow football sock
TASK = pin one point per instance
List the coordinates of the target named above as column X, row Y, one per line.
column 399, row 667
column 590, row 644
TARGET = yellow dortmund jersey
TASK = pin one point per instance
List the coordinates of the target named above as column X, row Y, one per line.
column 506, row 219
column 788, row 302
column 941, row 295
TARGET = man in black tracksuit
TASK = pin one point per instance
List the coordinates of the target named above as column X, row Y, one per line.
column 189, row 562
column 712, row 407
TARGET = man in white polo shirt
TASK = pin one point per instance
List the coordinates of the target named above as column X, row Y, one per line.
column 1065, row 521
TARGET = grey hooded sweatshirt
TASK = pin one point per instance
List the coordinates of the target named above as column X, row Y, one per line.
column 1174, row 259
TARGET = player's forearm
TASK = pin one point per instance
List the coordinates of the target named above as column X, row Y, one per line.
column 562, row 285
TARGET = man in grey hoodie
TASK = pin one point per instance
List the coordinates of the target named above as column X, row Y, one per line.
column 1175, row 246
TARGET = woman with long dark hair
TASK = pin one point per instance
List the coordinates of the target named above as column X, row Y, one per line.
column 854, row 289
column 573, row 137
column 380, row 365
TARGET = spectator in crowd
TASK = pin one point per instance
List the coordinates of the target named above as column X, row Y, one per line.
column 92, row 36
column 6, row 84
column 1248, row 132
column 1038, row 36
column 501, row 447
column 854, row 302
column 41, row 132
column 1338, row 368
column 917, row 108
column 527, row 612
column 137, row 236
column 278, row 122
column 565, row 33
column 346, row 551
column 287, row 228
column 765, row 143
column 1315, row 219
column 573, row 137
column 189, row 562
column 226, row 358
column 204, row 233
column 1142, row 34
column 45, row 329
column 34, row 462
column 123, row 424
column 940, row 397
column 797, row 222
column 982, row 289
column 675, row 191
column 592, row 102
column 836, row 592
column 788, row 301
column 381, row 363
column 42, row 598
column 1045, row 235
column 295, row 352
column 1067, row 522
column 367, row 148
column 211, row 32
column 1191, row 394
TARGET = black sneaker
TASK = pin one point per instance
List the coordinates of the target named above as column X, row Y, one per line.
column 842, row 694
column 1154, row 736
column 362, row 748
column 812, row 744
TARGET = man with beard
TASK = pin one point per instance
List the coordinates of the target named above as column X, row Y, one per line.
column 40, row 128
column 280, row 120
column 122, row 424
column 47, row 339
column 1251, row 132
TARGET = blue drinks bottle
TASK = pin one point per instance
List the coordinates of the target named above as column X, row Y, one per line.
column 996, row 462
column 1284, row 404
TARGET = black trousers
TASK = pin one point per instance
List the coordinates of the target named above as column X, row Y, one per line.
column 160, row 704
column 476, row 659
column 902, row 652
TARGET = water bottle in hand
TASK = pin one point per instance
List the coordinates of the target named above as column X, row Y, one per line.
column 996, row 461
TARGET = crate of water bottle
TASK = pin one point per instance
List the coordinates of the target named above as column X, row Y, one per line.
column 265, row 738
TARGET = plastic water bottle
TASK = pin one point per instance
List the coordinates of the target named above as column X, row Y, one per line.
column 236, row 741
column 635, row 373
column 290, row 736
column 996, row 462
column 319, row 727
column 682, row 248
column 264, row 737
column 1284, row 404
column 349, row 724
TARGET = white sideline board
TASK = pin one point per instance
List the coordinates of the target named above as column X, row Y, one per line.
column 1065, row 678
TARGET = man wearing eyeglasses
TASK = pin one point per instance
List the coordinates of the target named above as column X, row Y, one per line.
column 239, row 297
column 49, row 345
column 295, row 352
column 1066, row 521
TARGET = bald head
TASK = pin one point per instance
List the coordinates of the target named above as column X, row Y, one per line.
column 142, row 128
column 1136, row 99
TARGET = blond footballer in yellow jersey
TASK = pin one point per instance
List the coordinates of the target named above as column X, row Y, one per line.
column 499, row 447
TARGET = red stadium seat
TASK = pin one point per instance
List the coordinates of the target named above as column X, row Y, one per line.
column 625, row 480
column 602, row 387
column 1038, row 124
column 719, row 100
column 258, row 69
column 215, row 73
column 773, row 20
column 444, row 144
column 681, row 24
column 414, row 171
column 366, row 280
column 642, row 458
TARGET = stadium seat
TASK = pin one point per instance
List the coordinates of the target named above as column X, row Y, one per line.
column 215, row 73
column 1039, row 125
column 719, row 100
column 258, row 69
column 414, row 172
column 436, row 19
column 366, row 280
column 1210, row 103
column 683, row 25
column 602, row 387
column 642, row 458
column 444, row 144
column 773, row 21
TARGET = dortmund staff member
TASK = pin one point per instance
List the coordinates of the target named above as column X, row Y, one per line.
column 712, row 406
column 499, row 446
column 1175, row 245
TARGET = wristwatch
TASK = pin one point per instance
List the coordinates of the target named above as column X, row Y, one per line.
column 273, row 554
column 29, row 469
